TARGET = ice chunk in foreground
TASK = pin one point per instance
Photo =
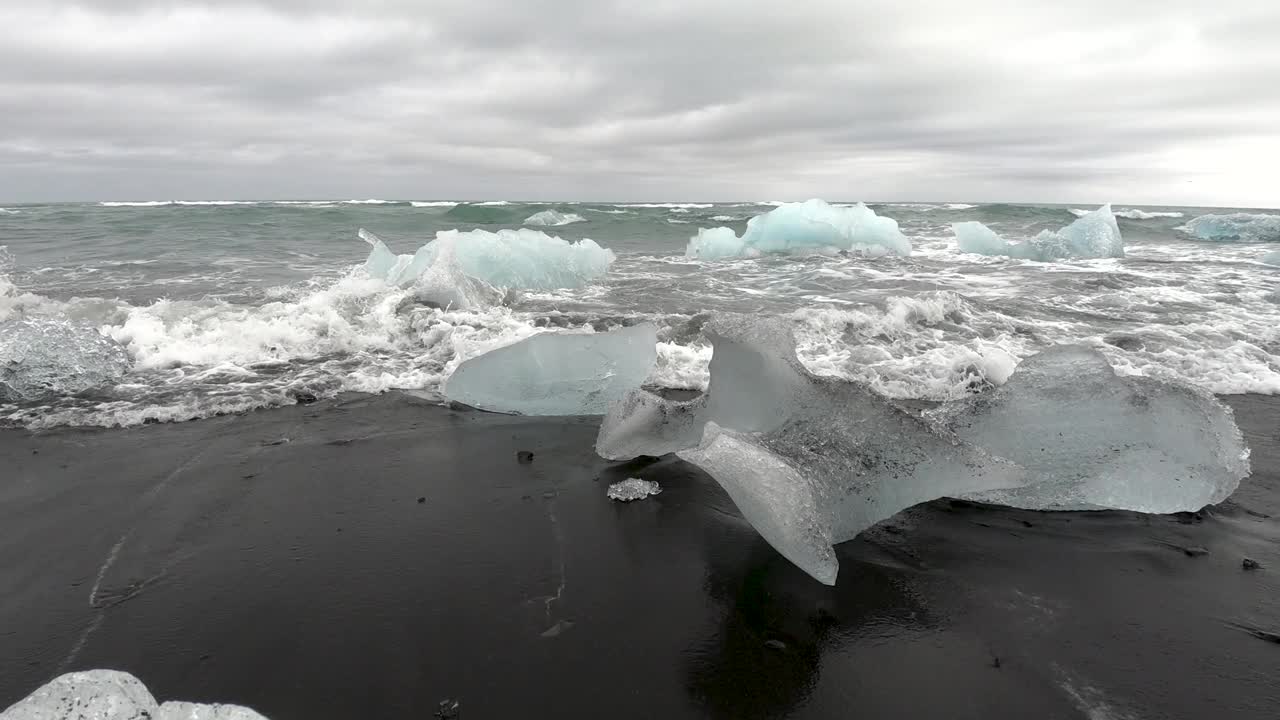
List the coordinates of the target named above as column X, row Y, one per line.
column 1094, row 235
column 40, row 357
column 111, row 695
column 1235, row 227
column 517, row 259
column 633, row 489
column 553, row 218
column 812, row 227
column 557, row 373
column 1091, row 439
column 810, row 461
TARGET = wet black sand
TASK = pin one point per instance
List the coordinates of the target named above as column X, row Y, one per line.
column 371, row 557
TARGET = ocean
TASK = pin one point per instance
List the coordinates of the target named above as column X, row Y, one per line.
column 222, row 307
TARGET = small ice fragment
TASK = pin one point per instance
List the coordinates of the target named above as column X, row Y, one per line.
column 557, row 373
column 633, row 489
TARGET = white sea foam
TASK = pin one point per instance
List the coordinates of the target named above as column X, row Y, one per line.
column 7, row 211
column 1132, row 214
column 433, row 203
column 370, row 202
column 669, row 206
column 144, row 203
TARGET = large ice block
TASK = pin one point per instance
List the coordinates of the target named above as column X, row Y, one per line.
column 807, row 227
column 1091, row 439
column 111, row 695
column 1094, row 235
column 41, row 357
column 810, row 461
column 557, row 373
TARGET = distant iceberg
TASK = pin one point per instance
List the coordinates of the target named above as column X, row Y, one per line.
column 551, row 218
column 557, row 373
column 811, row 461
column 808, row 227
column 1235, row 227
column 1094, row 235
column 512, row 259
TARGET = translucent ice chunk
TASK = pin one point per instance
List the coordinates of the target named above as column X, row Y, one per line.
column 553, row 218
column 1271, row 258
column 41, row 357
column 111, row 695
column 518, row 259
column 810, row 227
column 1091, row 439
column 443, row 282
column 1094, row 235
column 557, row 373
column 810, row 461
column 633, row 489
column 1235, row 227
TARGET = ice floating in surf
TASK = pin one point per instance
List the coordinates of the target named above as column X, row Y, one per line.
column 516, row 259
column 553, row 218
column 1094, row 235
column 557, row 373
column 812, row 461
column 1132, row 214
column 112, row 695
column 1235, row 227
column 40, row 357
column 808, row 227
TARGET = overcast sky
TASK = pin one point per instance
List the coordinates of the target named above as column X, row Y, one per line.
column 1132, row 101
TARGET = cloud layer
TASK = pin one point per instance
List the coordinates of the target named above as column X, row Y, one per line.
column 1159, row 102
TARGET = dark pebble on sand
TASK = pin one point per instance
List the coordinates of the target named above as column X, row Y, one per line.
column 524, row 457
column 304, row 398
column 1195, row 551
column 448, row 710
column 1250, row 564
column 775, row 645
column 1027, row 523
column 421, row 500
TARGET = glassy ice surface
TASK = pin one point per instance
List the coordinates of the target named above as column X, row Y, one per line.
column 557, row 373
column 1091, row 439
column 40, row 357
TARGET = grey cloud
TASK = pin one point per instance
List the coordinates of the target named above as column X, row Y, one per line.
column 625, row 100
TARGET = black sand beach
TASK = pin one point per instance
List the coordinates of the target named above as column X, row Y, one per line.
column 374, row 556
